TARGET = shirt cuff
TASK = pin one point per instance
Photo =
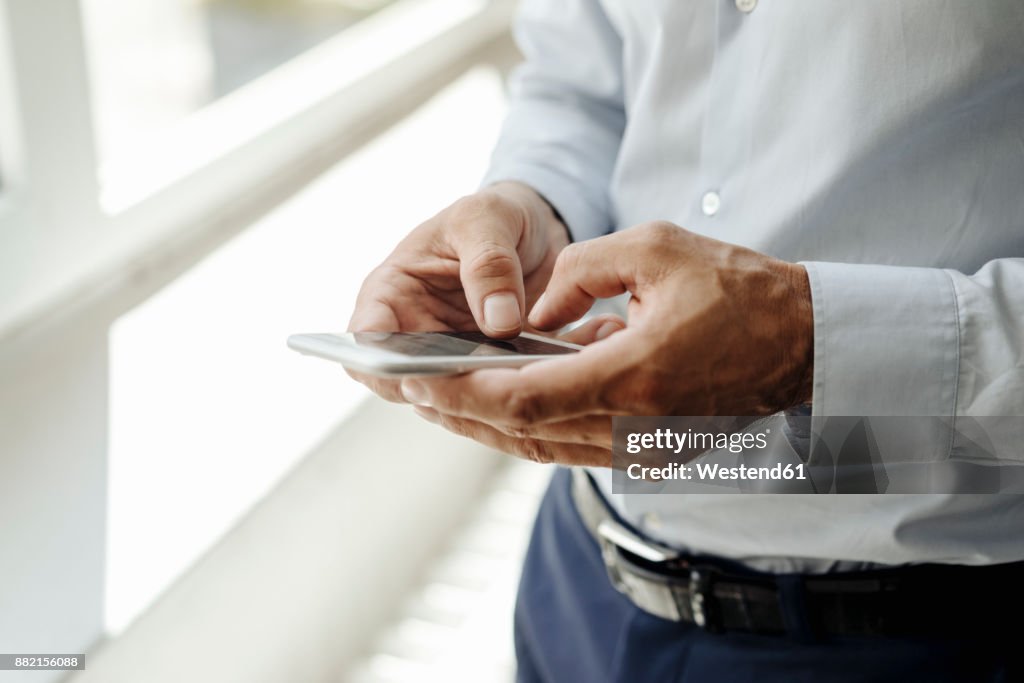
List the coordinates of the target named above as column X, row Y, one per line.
column 886, row 340
column 582, row 218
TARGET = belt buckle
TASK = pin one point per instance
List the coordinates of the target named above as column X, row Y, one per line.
column 618, row 535
column 702, row 605
column 702, row 599
column 612, row 537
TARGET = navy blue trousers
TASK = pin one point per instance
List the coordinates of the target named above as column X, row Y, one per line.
column 572, row 626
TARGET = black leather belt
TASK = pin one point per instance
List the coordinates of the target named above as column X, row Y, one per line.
column 927, row 599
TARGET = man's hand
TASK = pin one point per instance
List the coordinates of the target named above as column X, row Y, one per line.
column 479, row 264
column 714, row 329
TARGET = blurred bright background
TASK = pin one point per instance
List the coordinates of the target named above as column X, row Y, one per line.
column 154, row 62
column 183, row 184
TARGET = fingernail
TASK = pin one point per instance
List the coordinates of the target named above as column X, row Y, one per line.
column 607, row 330
column 413, row 392
column 501, row 312
column 537, row 307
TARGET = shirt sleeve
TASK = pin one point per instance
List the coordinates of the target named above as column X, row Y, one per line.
column 566, row 113
column 904, row 341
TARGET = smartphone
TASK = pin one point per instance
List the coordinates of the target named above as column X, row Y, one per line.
column 403, row 354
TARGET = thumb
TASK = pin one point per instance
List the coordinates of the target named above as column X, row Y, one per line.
column 492, row 278
column 583, row 272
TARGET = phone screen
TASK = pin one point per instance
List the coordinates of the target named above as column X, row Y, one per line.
column 456, row 344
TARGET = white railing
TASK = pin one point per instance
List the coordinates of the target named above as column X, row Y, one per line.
column 71, row 241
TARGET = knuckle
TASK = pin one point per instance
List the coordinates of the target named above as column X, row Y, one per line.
column 379, row 281
column 569, row 258
column 492, row 260
column 535, row 451
column 660, row 231
column 472, row 208
column 380, row 271
column 372, row 280
column 519, row 431
column 654, row 239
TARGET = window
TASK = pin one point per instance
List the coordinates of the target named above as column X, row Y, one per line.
column 154, row 62
column 239, row 155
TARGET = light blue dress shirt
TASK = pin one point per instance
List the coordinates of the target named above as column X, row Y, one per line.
column 879, row 142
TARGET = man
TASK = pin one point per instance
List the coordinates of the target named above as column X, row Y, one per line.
column 810, row 203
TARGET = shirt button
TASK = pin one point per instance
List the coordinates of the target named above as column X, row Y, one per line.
column 746, row 6
column 710, row 203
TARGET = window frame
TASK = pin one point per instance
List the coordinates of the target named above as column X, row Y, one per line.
column 91, row 245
